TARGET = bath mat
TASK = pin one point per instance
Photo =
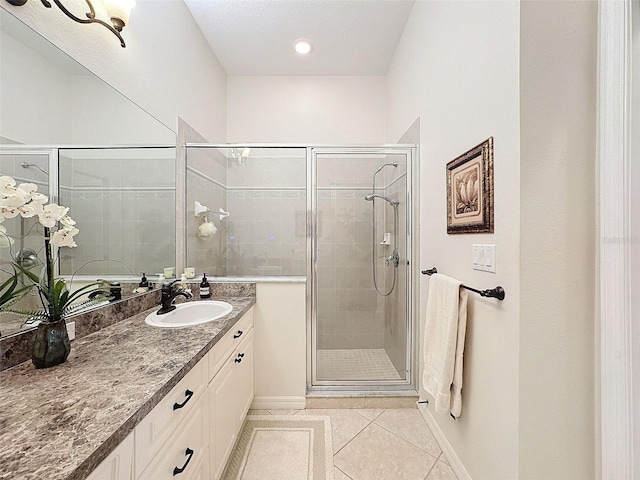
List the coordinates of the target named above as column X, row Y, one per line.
column 278, row 447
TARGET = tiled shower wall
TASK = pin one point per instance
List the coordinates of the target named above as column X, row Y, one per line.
column 206, row 183
column 265, row 232
column 395, row 305
column 349, row 313
column 124, row 209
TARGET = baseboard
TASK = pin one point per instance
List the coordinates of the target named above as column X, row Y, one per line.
column 449, row 452
column 278, row 403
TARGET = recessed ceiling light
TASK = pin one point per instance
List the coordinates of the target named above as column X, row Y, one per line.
column 302, row 46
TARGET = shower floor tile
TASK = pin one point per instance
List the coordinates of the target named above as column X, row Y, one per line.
column 355, row 364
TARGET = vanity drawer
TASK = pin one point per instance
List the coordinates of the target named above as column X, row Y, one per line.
column 183, row 456
column 221, row 350
column 157, row 426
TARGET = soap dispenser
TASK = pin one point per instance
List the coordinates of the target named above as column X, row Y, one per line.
column 205, row 288
column 144, row 283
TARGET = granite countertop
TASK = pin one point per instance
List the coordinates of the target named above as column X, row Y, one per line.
column 61, row 422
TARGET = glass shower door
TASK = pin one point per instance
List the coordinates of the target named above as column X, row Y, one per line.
column 360, row 321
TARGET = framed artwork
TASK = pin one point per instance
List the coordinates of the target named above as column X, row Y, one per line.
column 470, row 191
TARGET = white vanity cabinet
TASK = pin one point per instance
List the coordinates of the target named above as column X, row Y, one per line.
column 231, row 392
column 118, row 465
column 176, row 407
column 190, row 433
column 185, row 455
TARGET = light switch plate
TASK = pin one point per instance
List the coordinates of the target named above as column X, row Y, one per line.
column 484, row 257
column 490, row 258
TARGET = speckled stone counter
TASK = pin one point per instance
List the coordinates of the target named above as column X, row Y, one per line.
column 61, row 422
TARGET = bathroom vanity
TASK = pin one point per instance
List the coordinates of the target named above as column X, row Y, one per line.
column 132, row 402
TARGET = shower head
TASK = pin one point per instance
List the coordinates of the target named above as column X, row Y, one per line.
column 28, row 165
column 370, row 197
column 392, row 164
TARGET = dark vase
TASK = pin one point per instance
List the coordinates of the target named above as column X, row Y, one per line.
column 51, row 346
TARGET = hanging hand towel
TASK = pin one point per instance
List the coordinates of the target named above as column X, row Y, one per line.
column 444, row 332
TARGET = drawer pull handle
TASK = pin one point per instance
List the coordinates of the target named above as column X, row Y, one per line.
column 177, row 471
column 238, row 334
column 239, row 357
column 187, row 394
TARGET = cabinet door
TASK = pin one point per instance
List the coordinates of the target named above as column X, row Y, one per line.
column 244, row 375
column 182, row 454
column 118, row 465
column 223, row 405
column 154, row 429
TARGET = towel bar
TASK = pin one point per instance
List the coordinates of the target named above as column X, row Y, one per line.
column 497, row 292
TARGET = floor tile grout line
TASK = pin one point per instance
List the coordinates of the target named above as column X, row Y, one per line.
column 431, row 469
column 352, row 438
column 409, row 441
column 370, row 420
column 342, row 471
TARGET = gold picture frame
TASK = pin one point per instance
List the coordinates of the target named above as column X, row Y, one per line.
column 470, row 191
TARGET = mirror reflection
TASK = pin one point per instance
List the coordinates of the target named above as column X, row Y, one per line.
column 123, row 199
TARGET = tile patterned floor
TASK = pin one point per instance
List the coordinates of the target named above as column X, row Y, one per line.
column 380, row 444
column 355, row 364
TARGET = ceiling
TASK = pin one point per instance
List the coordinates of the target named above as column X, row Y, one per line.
column 255, row 37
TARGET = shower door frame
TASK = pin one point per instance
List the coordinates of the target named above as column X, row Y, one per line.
column 327, row 386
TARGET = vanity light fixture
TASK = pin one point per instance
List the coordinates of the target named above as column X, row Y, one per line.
column 302, row 46
column 117, row 10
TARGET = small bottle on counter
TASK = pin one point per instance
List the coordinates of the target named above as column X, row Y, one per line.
column 205, row 288
column 184, row 285
column 143, row 286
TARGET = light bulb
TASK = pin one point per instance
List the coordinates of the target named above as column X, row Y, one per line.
column 303, row 47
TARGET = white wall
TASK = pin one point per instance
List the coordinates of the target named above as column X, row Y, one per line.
column 456, row 67
column 312, row 110
column 102, row 116
column 557, row 230
column 280, row 345
column 46, row 117
column 514, row 71
column 167, row 67
column 635, row 224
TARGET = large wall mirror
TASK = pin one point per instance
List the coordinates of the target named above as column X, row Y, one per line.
column 91, row 149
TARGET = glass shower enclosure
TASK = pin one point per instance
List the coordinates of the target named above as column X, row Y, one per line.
column 361, row 281
column 339, row 217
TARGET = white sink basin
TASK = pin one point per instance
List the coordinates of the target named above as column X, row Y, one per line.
column 190, row 313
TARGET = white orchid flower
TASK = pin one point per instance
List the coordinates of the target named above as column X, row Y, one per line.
column 67, row 221
column 5, row 240
column 51, row 214
column 64, row 237
column 16, row 200
column 7, row 186
column 27, row 189
column 39, row 198
column 30, row 209
column 9, row 212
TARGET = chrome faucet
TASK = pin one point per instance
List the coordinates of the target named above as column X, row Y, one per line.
column 169, row 294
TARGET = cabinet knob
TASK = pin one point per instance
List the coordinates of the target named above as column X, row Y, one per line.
column 178, row 470
column 239, row 357
column 238, row 334
column 188, row 394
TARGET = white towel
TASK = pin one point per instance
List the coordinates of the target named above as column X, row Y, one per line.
column 444, row 332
